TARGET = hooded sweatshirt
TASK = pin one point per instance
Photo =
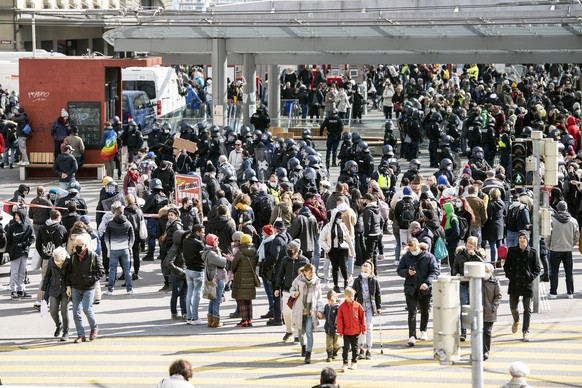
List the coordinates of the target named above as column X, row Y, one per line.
column 50, row 236
column 565, row 233
column 452, row 230
column 19, row 236
column 118, row 234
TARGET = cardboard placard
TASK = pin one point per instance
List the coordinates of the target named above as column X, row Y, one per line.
column 184, row 144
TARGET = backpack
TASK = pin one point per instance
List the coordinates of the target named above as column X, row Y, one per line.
column 474, row 134
column 463, row 227
column 440, row 249
column 513, row 219
column 337, row 234
column 266, row 207
column 27, row 130
column 408, row 214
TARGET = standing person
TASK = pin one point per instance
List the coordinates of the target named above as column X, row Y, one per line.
column 75, row 141
column 215, row 265
column 565, row 235
column 273, row 258
column 108, row 145
column 286, row 274
column 452, row 231
column 60, row 130
column 65, row 166
column 351, row 323
column 192, row 247
column 21, row 119
column 86, row 270
column 308, row 307
column 521, row 268
column 369, row 295
column 19, row 238
column 493, row 229
column 175, row 267
column 135, row 217
column 266, row 268
column 55, row 284
column 491, row 292
column 50, row 236
column 331, row 337
column 335, row 127
column 243, row 286
column 154, row 203
column 119, row 236
column 39, row 215
column 469, row 253
column 337, row 244
column 304, row 228
column 419, row 269
column 372, row 227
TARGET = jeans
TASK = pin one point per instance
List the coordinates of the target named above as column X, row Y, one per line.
column 476, row 231
column 316, row 255
column 60, row 304
column 304, row 109
column 423, row 303
column 367, row 340
column 194, row 281
column 9, row 149
column 269, row 291
column 114, row 257
column 214, row 305
column 179, row 290
column 397, row 243
column 22, row 148
column 556, row 259
column 513, row 302
column 83, row 301
column 372, row 250
column 17, row 274
column 464, row 299
column 152, row 224
column 350, row 265
column 493, row 245
column 306, row 331
column 512, row 239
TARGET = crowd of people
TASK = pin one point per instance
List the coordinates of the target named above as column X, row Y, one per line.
column 268, row 215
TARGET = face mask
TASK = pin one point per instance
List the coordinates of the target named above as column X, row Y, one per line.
column 449, row 168
column 415, row 253
column 487, row 276
column 365, row 275
column 459, row 204
column 78, row 249
column 190, row 207
column 290, row 253
column 479, row 156
column 515, row 203
column 273, row 184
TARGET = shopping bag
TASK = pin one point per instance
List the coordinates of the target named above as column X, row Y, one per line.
column 44, row 312
column 36, row 261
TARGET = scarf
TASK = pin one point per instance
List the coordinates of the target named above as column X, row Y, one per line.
column 134, row 175
column 261, row 250
column 308, row 293
column 59, row 264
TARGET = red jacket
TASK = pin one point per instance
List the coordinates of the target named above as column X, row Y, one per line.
column 351, row 319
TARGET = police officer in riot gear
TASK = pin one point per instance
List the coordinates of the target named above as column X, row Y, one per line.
column 294, row 170
column 260, row 119
column 478, row 164
column 413, row 170
column 434, row 135
column 349, row 175
column 446, row 169
column 365, row 165
column 335, row 128
column 345, row 152
column 306, row 137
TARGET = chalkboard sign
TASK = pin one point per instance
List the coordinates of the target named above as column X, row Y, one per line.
column 87, row 117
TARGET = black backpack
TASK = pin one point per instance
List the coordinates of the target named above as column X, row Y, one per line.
column 266, row 207
column 513, row 219
column 463, row 227
column 408, row 214
column 474, row 134
column 337, row 234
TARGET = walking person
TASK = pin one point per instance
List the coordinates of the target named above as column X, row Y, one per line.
column 369, row 295
column 330, row 327
column 244, row 289
column 119, row 236
column 337, row 244
column 419, row 269
column 19, row 238
column 308, row 307
column 55, row 285
column 565, row 235
column 351, row 323
column 521, row 268
column 86, row 270
column 266, row 269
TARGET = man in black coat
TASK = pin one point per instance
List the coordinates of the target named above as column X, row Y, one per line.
column 521, row 268
column 65, row 166
column 273, row 259
column 19, row 237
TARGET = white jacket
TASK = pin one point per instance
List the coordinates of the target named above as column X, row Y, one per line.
column 325, row 236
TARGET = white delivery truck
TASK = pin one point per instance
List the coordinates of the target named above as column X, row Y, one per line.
column 160, row 84
column 9, row 69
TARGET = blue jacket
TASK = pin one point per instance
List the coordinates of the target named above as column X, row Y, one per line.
column 330, row 313
column 65, row 163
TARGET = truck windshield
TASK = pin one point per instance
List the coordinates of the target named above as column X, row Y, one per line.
column 147, row 86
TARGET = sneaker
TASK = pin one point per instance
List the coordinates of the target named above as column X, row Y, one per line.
column 131, row 292
column 396, row 262
column 25, row 295
column 485, row 356
column 570, row 296
column 336, row 289
column 380, row 257
column 423, row 336
column 296, row 340
column 287, row 336
column 136, row 277
column 368, row 355
column 36, row 306
column 14, row 295
column 463, row 337
column 267, row 315
column 344, row 368
column 196, row 322
column 525, row 336
column 514, row 327
column 411, row 341
column 354, row 366
column 97, row 301
column 108, row 292
column 361, row 355
column 58, row 331
column 165, row 288
column 552, row 296
column 64, row 337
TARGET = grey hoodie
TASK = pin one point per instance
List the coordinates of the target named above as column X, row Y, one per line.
column 565, row 233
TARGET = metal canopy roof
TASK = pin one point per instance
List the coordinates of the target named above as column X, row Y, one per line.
column 360, row 31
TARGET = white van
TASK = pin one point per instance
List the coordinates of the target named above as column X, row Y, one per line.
column 161, row 85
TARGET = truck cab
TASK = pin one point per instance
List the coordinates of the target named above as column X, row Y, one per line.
column 137, row 106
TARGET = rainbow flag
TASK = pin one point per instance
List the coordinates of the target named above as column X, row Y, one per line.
column 110, row 149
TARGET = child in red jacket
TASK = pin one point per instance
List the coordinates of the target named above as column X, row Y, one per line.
column 351, row 322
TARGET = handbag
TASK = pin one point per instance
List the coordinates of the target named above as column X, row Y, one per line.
column 440, row 249
column 143, row 229
column 257, row 280
column 209, row 288
column 291, row 302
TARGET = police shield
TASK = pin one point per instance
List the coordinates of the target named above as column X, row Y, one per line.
column 263, row 156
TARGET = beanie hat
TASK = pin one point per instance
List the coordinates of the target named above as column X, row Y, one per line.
column 467, row 170
column 443, row 180
column 524, row 233
column 268, row 229
column 211, row 239
column 562, row 206
column 64, row 113
column 407, row 190
column 297, row 206
column 414, row 225
column 294, row 245
column 246, row 239
column 279, row 225
column 237, row 235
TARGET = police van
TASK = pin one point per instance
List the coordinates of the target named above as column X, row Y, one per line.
column 161, row 85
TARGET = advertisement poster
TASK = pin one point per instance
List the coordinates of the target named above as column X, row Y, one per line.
column 188, row 186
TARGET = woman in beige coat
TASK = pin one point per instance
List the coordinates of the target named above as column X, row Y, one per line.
column 338, row 245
